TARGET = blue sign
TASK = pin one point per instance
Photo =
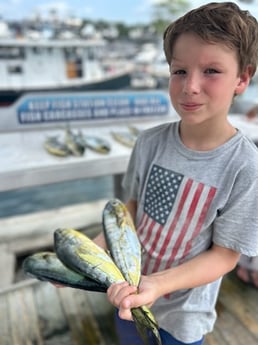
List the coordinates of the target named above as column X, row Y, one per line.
column 43, row 109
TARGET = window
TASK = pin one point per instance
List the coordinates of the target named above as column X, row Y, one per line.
column 15, row 69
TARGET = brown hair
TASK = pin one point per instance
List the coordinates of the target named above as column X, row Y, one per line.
column 222, row 23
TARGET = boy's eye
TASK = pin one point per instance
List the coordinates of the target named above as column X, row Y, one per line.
column 182, row 71
column 211, row 71
column 179, row 71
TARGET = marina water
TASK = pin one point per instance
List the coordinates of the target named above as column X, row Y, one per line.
column 41, row 198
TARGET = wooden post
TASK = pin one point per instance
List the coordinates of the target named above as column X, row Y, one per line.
column 118, row 190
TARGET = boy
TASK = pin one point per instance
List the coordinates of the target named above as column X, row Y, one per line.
column 192, row 185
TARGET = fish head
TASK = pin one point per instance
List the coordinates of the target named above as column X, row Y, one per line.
column 38, row 261
column 117, row 209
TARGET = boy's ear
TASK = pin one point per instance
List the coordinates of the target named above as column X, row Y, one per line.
column 244, row 81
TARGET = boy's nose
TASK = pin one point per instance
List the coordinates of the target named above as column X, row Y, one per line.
column 191, row 85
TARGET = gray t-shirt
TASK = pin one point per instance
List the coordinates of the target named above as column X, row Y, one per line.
column 187, row 200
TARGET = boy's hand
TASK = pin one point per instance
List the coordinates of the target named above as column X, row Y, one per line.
column 118, row 294
column 124, row 296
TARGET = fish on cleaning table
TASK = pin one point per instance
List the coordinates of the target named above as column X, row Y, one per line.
column 134, row 130
column 125, row 138
column 94, row 143
column 55, row 147
column 73, row 143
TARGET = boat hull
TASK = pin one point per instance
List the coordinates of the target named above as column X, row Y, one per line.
column 123, row 81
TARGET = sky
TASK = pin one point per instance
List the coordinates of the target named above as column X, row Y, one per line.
column 127, row 11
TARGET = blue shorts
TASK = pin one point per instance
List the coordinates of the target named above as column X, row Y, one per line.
column 128, row 335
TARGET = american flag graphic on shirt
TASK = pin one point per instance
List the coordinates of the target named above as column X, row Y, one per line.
column 175, row 208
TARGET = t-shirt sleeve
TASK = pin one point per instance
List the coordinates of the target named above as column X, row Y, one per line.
column 236, row 226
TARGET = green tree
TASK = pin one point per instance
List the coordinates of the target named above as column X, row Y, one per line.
column 165, row 11
column 122, row 29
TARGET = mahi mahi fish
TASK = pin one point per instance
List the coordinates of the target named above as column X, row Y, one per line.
column 94, row 143
column 122, row 240
column 78, row 252
column 82, row 255
column 46, row 266
column 54, row 146
column 125, row 249
column 73, row 143
column 125, row 138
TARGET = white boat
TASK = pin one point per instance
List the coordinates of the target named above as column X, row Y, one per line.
column 152, row 65
column 57, row 65
column 143, row 80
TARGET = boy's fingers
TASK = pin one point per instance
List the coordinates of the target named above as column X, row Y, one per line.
column 125, row 314
column 117, row 292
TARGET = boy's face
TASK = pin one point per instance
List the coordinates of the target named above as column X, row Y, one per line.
column 203, row 79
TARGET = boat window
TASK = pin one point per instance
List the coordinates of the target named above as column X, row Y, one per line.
column 15, row 69
column 74, row 68
column 69, row 53
column 11, row 53
column 37, row 50
column 91, row 54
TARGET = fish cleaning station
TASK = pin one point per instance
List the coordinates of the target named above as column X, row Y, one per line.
column 49, row 138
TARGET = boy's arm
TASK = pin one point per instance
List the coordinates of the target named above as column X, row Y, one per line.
column 100, row 240
column 202, row 269
column 132, row 208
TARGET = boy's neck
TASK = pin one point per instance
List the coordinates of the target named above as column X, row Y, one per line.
column 206, row 138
